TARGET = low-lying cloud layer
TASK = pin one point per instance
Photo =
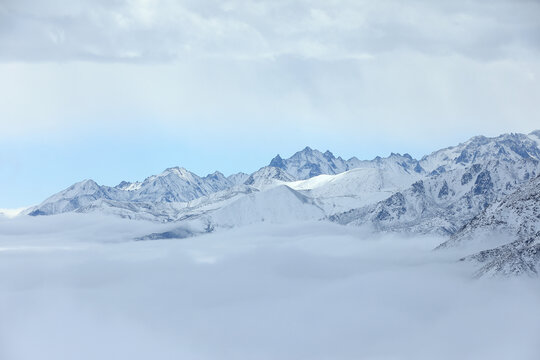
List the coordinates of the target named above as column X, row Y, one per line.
column 305, row 291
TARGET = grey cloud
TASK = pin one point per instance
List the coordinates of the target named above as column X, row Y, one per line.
column 140, row 31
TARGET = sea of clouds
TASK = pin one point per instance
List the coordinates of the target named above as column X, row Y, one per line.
column 79, row 287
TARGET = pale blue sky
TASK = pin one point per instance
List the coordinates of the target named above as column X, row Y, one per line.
column 122, row 90
column 34, row 169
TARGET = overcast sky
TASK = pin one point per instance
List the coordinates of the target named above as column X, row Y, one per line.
column 119, row 90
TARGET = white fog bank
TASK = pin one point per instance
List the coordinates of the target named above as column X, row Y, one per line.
column 306, row 291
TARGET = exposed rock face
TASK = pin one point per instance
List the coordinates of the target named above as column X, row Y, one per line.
column 517, row 258
column 267, row 176
column 461, row 183
column 516, row 219
column 516, row 216
column 309, row 163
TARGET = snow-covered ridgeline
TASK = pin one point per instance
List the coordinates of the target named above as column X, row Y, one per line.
column 459, row 183
column 439, row 193
column 469, row 191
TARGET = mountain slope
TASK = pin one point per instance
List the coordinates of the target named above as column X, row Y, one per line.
column 515, row 217
column 238, row 178
column 77, row 195
column 462, row 181
column 517, row 258
column 309, row 163
column 440, row 193
column 168, row 211
column 268, row 176
column 172, row 185
column 356, row 187
column 513, row 221
column 280, row 204
column 179, row 184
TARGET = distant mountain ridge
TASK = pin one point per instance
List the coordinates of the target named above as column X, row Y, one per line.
column 177, row 184
column 445, row 192
column 308, row 163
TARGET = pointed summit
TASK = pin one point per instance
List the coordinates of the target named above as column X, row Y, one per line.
column 328, row 154
column 215, row 176
column 277, row 162
column 310, row 162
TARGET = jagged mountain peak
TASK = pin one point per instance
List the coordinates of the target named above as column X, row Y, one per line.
column 86, row 183
column 395, row 161
column 305, row 153
column 123, row 185
column 309, row 162
column 128, row 186
column 87, row 186
column 477, row 140
column 215, row 175
column 72, row 198
column 176, row 170
column 277, row 162
column 175, row 184
column 268, row 175
column 511, row 147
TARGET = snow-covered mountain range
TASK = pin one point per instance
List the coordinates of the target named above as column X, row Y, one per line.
column 457, row 183
column 513, row 221
column 481, row 185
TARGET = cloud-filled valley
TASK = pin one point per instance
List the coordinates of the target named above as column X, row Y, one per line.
column 302, row 291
